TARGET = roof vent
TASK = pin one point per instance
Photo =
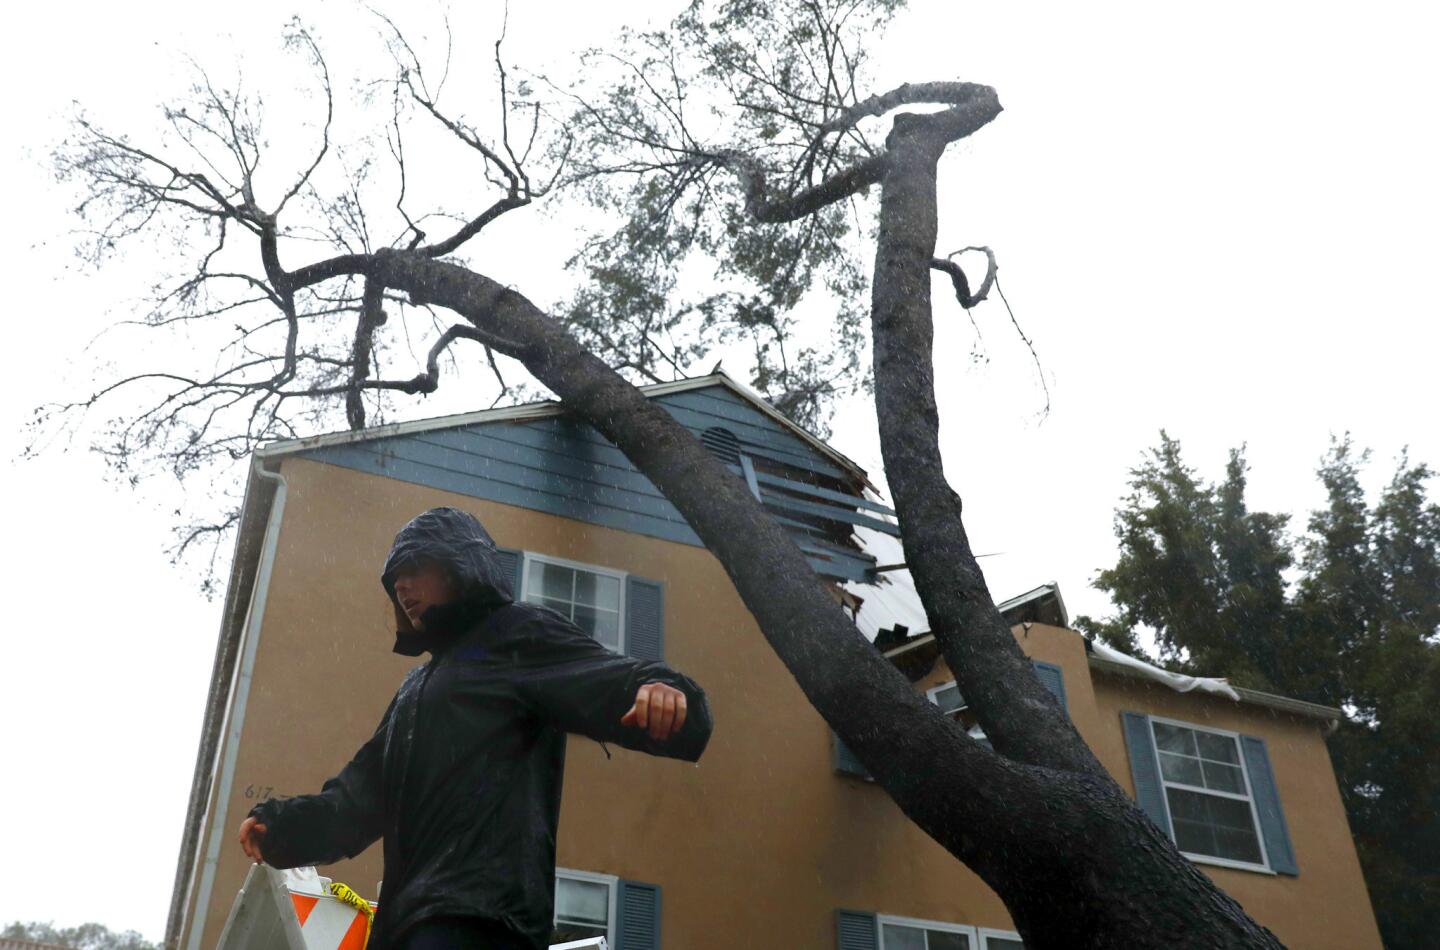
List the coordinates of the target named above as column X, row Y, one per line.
column 722, row 444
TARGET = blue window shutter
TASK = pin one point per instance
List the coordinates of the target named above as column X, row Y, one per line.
column 1054, row 679
column 638, row 926
column 856, row 930
column 846, row 761
column 644, row 618
column 510, row 561
column 1145, row 770
column 1267, row 806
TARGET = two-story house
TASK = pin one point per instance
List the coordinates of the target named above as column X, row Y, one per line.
column 775, row 839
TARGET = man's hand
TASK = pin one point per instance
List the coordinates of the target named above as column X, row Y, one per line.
column 251, row 834
column 658, row 709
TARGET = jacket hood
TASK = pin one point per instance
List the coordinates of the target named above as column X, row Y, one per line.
column 457, row 540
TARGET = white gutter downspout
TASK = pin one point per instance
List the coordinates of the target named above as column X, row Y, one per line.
column 240, row 692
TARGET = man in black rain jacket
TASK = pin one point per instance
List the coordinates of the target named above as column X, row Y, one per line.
column 462, row 778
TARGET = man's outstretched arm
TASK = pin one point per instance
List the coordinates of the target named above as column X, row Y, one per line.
column 575, row 682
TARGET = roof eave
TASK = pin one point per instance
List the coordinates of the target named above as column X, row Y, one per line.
column 1286, row 704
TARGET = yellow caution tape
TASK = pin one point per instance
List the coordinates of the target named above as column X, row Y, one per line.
column 345, row 895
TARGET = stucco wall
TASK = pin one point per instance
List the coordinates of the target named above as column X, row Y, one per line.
column 1326, row 905
column 760, row 842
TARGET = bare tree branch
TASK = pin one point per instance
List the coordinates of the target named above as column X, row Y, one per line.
column 300, row 35
column 949, row 265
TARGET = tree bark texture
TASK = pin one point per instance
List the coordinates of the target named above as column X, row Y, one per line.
column 1127, row 885
column 1073, row 859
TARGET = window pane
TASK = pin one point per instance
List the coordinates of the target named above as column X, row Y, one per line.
column 603, row 625
column 1224, row 778
column 948, row 697
column 551, row 581
column 584, row 587
column 896, row 937
column 1194, row 839
column 585, row 619
column 943, row 940
column 607, row 592
column 1003, row 943
column 1214, row 826
column 582, row 901
column 1190, row 817
column 1218, row 748
column 607, row 629
column 1170, row 738
column 1237, row 844
column 1181, row 768
column 561, row 607
column 600, row 590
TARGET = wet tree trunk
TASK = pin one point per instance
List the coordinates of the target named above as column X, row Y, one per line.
column 1128, row 856
column 1075, row 862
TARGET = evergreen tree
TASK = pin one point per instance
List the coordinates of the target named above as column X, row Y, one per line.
column 1200, row 571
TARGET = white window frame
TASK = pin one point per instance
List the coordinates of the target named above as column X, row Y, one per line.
column 609, row 880
column 882, row 919
column 987, row 932
column 1248, row 797
column 974, row 732
column 530, row 557
column 934, row 691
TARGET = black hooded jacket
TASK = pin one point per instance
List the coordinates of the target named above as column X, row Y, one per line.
column 462, row 778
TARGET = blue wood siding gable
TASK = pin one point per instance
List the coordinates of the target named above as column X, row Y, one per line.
column 567, row 468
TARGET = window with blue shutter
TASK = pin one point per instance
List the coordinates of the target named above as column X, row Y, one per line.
column 638, row 913
column 948, row 697
column 1212, row 792
column 856, row 930
column 644, row 618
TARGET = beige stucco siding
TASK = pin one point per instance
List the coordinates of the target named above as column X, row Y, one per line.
column 760, row 842
column 1326, row 905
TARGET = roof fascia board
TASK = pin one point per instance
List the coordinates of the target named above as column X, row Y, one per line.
column 1021, row 600
column 533, row 410
column 1038, row 593
column 1296, row 707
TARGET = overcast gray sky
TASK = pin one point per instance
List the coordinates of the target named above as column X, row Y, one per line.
column 1216, row 219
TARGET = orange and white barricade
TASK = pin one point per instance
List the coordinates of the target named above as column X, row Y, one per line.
column 300, row 910
column 293, row 910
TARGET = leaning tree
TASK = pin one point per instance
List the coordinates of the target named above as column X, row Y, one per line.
column 741, row 136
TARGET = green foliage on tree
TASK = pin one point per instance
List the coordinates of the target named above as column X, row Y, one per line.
column 84, row 937
column 653, row 140
column 1347, row 615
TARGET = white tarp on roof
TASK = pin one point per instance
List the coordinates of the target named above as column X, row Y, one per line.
column 1176, row 681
